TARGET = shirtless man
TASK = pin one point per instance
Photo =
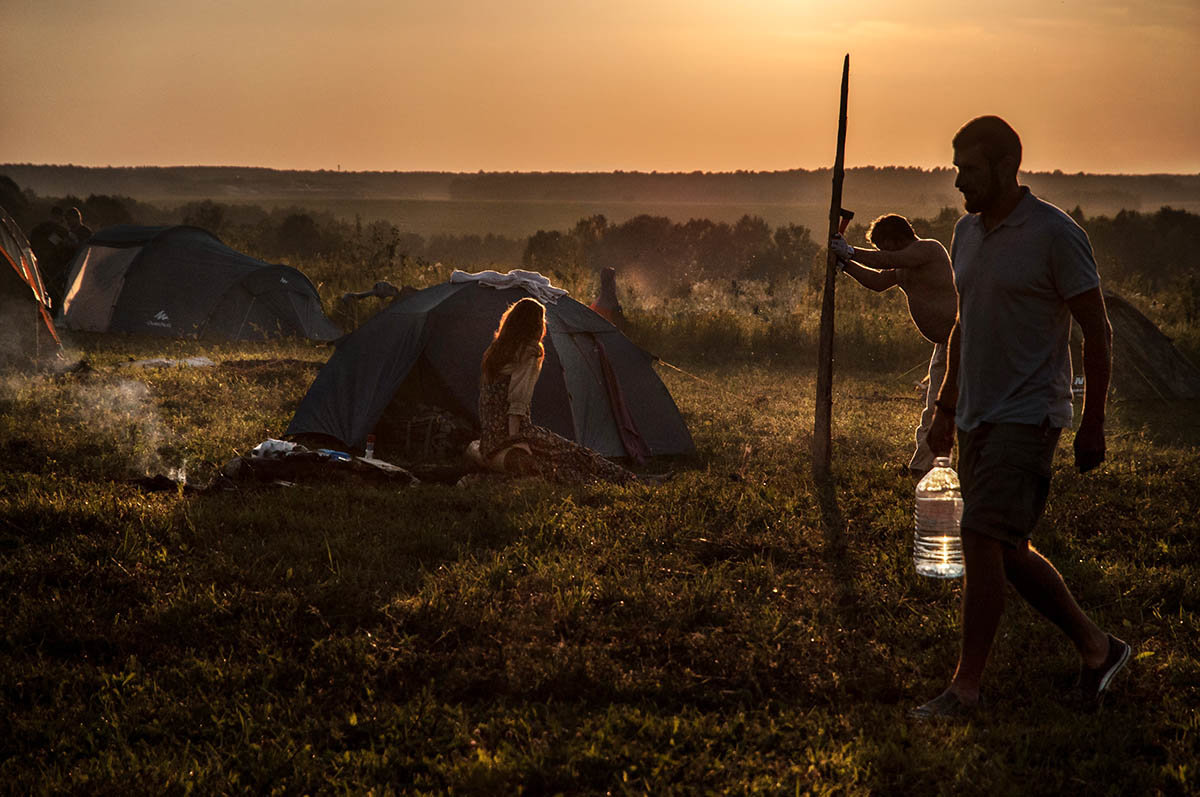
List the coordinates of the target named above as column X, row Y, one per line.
column 921, row 267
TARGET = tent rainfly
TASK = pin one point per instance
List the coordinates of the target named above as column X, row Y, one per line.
column 1146, row 364
column 183, row 282
column 597, row 387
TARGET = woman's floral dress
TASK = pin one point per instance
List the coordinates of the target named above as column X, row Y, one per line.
column 554, row 457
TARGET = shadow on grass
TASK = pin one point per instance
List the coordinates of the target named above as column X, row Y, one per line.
column 836, row 550
column 1162, row 422
column 362, row 540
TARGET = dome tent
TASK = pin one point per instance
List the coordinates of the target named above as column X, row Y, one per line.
column 183, row 282
column 1145, row 363
column 25, row 325
column 597, row 387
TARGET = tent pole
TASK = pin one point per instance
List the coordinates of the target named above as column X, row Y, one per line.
column 242, row 326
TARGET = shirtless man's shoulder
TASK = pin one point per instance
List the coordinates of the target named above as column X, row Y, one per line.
column 931, row 248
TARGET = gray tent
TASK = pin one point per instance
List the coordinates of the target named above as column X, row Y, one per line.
column 1146, row 364
column 596, row 387
column 183, row 282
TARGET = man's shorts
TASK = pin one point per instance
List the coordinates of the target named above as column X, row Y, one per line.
column 1004, row 469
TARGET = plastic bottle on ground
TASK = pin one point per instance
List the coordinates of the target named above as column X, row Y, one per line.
column 937, row 539
column 369, row 453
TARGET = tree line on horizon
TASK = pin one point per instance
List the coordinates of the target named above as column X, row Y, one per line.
column 1154, row 253
column 889, row 185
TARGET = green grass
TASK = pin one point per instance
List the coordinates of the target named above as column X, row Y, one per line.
column 728, row 631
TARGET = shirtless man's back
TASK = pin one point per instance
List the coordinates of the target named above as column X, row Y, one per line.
column 921, row 269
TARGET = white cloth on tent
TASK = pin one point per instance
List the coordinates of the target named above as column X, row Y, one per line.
column 538, row 285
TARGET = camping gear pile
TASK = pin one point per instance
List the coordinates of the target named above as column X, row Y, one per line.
column 284, row 463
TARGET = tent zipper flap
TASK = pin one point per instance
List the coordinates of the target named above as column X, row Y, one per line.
column 631, row 436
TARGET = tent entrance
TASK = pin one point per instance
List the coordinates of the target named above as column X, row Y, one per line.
column 94, row 286
column 422, row 422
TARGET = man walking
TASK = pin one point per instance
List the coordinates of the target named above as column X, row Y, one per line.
column 921, row 267
column 1023, row 270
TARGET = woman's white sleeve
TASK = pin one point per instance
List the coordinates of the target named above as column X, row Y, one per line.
column 520, row 386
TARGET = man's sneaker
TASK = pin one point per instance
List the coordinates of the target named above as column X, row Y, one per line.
column 1093, row 681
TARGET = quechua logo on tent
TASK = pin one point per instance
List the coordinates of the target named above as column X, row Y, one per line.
column 160, row 319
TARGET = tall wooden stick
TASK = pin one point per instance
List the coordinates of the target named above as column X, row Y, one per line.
column 822, row 419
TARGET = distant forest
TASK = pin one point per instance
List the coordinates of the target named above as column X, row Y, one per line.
column 890, row 186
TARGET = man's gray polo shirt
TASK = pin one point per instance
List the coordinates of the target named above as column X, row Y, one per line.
column 1015, row 326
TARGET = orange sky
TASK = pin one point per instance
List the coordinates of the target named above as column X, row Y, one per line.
column 667, row 85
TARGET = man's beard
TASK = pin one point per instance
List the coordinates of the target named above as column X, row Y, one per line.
column 984, row 199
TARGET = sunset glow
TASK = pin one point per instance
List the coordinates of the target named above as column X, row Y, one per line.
column 464, row 85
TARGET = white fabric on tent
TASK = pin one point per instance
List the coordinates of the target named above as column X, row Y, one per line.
column 532, row 281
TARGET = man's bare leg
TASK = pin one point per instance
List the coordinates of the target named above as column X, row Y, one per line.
column 982, row 605
column 922, row 458
column 1042, row 586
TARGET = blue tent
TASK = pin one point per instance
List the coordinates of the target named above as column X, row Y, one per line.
column 596, row 387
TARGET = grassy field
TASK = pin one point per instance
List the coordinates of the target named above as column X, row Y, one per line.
column 732, row 631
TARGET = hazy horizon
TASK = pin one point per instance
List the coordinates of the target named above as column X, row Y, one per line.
column 335, row 170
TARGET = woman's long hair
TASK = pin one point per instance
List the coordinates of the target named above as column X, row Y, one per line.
column 522, row 325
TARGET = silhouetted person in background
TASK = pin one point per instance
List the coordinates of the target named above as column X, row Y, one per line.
column 346, row 308
column 53, row 248
column 1023, row 269
column 607, row 305
column 79, row 231
column 921, row 267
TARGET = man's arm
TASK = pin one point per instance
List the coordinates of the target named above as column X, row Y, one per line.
column 1088, row 309
column 869, row 277
column 940, row 437
column 916, row 254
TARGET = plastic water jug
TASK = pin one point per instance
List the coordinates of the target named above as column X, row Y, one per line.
column 937, row 540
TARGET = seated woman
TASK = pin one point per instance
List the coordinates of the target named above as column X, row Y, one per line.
column 509, row 441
